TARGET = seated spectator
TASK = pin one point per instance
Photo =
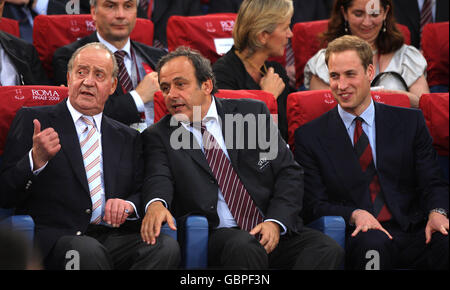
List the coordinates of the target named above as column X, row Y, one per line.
column 375, row 166
column 416, row 13
column 19, row 61
column 262, row 30
column 78, row 174
column 137, row 61
column 403, row 65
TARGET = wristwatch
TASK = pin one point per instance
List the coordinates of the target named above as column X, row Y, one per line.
column 441, row 211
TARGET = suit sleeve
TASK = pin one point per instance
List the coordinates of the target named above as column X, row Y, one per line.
column 317, row 203
column 15, row 170
column 428, row 172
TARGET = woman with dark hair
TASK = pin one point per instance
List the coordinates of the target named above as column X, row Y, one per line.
column 399, row 67
column 262, row 30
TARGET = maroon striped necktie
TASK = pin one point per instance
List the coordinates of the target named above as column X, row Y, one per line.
column 124, row 77
column 426, row 15
column 364, row 153
column 239, row 201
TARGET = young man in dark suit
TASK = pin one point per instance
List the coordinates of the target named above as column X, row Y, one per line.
column 19, row 61
column 79, row 173
column 375, row 166
column 239, row 174
column 114, row 20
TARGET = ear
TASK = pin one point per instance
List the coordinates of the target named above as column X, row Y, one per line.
column 68, row 78
column 370, row 72
column 93, row 12
column 114, row 85
column 207, row 86
column 262, row 37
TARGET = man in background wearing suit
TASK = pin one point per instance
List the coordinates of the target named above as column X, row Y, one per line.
column 79, row 173
column 251, row 196
column 114, row 21
column 19, row 61
column 408, row 12
column 375, row 166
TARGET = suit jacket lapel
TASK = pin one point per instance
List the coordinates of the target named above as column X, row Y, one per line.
column 63, row 124
column 222, row 109
column 112, row 143
column 337, row 144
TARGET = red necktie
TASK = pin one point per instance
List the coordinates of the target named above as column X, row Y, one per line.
column 426, row 15
column 124, row 77
column 364, row 153
column 236, row 196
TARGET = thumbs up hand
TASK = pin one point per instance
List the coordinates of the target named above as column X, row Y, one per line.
column 45, row 145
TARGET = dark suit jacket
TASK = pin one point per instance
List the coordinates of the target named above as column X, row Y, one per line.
column 59, row 7
column 58, row 198
column 25, row 59
column 407, row 13
column 165, row 8
column 119, row 106
column 409, row 174
column 182, row 177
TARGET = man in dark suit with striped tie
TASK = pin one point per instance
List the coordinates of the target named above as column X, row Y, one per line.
column 375, row 166
column 204, row 158
column 78, row 173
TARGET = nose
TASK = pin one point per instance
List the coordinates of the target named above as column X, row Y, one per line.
column 342, row 84
column 367, row 20
column 120, row 12
column 89, row 80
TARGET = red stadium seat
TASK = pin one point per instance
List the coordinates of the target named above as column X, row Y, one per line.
column 435, row 109
column 53, row 31
column 268, row 98
column 12, row 98
column 306, row 43
column 210, row 34
column 435, row 39
column 10, row 25
column 306, row 106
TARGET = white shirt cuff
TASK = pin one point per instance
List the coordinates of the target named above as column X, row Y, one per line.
column 41, row 7
column 37, row 171
column 153, row 200
column 138, row 101
column 280, row 224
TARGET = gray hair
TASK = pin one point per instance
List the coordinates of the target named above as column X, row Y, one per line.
column 97, row 45
column 202, row 65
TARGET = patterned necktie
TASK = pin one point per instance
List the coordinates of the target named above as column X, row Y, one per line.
column 90, row 148
column 426, row 15
column 364, row 153
column 239, row 201
column 124, row 77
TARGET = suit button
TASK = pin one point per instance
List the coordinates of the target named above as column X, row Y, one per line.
column 88, row 211
column 78, row 233
column 212, row 180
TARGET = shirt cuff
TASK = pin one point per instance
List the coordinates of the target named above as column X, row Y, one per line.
column 136, row 215
column 41, row 7
column 280, row 224
column 37, row 171
column 138, row 101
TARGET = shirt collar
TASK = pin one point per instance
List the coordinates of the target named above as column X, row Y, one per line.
column 368, row 115
column 76, row 116
column 112, row 48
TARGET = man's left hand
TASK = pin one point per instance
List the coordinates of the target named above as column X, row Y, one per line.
column 436, row 223
column 117, row 211
column 270, row 235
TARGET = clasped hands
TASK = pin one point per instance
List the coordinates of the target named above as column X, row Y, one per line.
column 157, row 214
column 365, row 221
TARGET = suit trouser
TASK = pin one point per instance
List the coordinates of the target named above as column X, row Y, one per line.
column 232, row 248
column 407, row 250
column 106, row 249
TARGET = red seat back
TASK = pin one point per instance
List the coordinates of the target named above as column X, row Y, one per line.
column 12, row 98
column 435, row 39
column 306, row 106
column 209, row 34
column 435, row 109
column 306, row 43
column 53, row 31
column 267, row 98
column 10, row 25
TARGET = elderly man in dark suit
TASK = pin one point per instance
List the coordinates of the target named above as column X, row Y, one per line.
column 133, row 97
column 19, row 61
column 78, row 174
column 239, row 174
column 375, row 166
